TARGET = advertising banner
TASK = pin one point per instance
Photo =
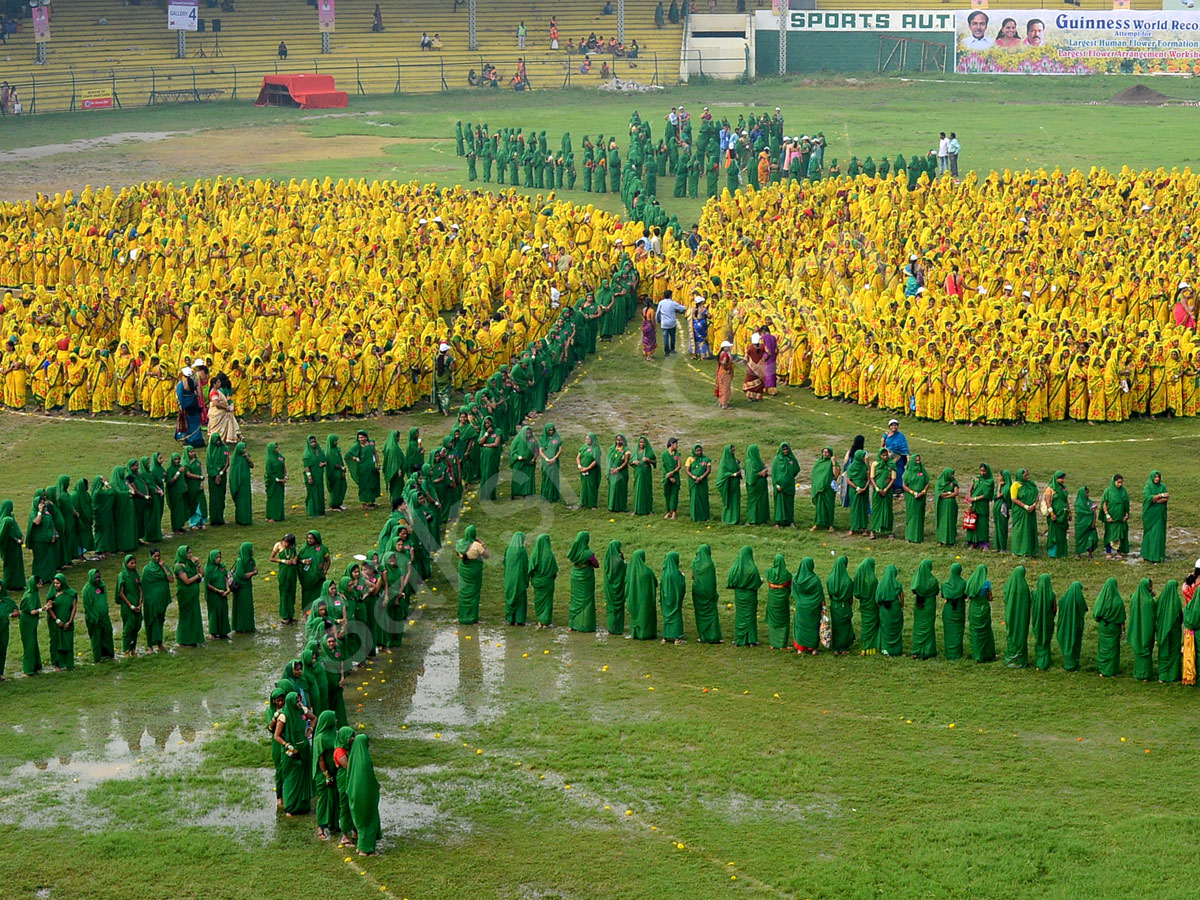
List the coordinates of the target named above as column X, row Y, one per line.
column 325, row 14
column 41, row 24
column 1079, row 42
column 98, row 103
column 182, row 15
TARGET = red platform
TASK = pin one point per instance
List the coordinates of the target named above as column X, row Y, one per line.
column 304, row 91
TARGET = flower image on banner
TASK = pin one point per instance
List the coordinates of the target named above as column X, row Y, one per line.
column 1079, row 42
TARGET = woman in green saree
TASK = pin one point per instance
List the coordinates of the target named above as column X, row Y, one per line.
column 129, row 601
column 125, row 528
column 1114, row 507
column 471, row 554
column 672, row 478
column 1058, row 521
column 516, row 580
column 865, row 584
column 362, row 792
column 1086, row 539
column 614, row 588
column 490, row 449
column 362, row 462
column 1072, row 609
column 104, row 526
column 925, row 589
column 882, row 480
column 543, row 575
column 744, row 580
column 581, row 614
column 239, row 485
column 97, row 617
column 824, row 495
column 197, row 504
column 618, row 475
column 395, row 467
column 156, row 597
column 313, row 565
column 315, row 466
column 40, row 538
column 324, row 773
column 1109, row 613
column 156, row 482
column 216, row 596
column 296, row 760
column 699, row 471
column 522, row 461
column 1154, row 518
column 1017, row 603
column 12, row 560
column 216, row 463
column 549, row 454
column 286, row 559
column 414, row 451
column 979, row 615
column 335, row 475
column 729, row 486
column 784, row 469
column 1168, row 617
column 916, row 491
column 30, row 609
column 808, row 597
column 954, row 612
column 758, row 509
column 1024, row 495
column 8, row 611
column 62, row 605
column 242, row 607
column 672, row 589
column 946, row 508
column 190, row 630
column 1141, row 630
column 274, row 479
column 778, row 614
column 704, row 597
column 858, row 478
column 641, row 598
column 587, row 460
column 176, row 483
column 1042, row 610
column 139, row 494
column 333, row 663
column 81, row 499
column 643, row 463
column 840, row 590
column 889, row 597
column 979, row 500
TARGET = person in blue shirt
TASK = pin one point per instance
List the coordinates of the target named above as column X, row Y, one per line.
column 667, row 310
column 896, row 445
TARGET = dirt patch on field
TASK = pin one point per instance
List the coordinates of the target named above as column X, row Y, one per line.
column 1140, row 95
column 136, row 156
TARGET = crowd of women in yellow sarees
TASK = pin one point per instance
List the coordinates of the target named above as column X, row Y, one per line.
column 1018, row 297
column 318, row 298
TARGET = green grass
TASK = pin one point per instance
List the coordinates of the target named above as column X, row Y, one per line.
column 150, row 777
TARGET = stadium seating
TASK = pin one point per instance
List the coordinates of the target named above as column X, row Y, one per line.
column 136, row 48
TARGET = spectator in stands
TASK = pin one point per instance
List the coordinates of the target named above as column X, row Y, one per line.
column 591, row 42
column 522, row 74
column 586, row 66
column 377, row 25
column 570, row 48
column 14, row 102
column 612, row 45
column 633, row 50
column 426, row 42
column 473, row 79
column 457, row 4
column 521, row 35
column 437, row 42
column 608, row 8
column 282, row 50
column 605, row 71
column 553, row 35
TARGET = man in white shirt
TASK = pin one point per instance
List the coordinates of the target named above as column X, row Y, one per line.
column 668, row 309
column 943, row 154
column 977, row 39
column 655, row 241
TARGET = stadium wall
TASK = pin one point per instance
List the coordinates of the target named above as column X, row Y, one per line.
column 858, row 41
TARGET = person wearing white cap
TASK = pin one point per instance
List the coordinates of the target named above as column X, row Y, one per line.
column 896, row 444
column 443, row 378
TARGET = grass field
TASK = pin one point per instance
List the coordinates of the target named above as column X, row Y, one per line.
column 523, row 764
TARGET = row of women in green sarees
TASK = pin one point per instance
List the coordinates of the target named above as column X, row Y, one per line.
column 322, row 765
column 142, row 597
column 806, row 613
column 1001, row 514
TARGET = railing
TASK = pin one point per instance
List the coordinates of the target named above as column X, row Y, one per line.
column 133, row 86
